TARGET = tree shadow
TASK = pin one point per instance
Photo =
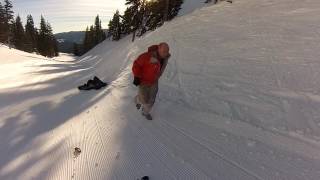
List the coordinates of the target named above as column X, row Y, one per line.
column 36, row 114
column 78, row 75
column 18, row 132
column 33, row 160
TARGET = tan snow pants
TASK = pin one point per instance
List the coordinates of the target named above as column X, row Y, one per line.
column 147, row 96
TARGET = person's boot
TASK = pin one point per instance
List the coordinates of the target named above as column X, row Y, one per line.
column 147, row 116
column 138, row 106
column 145, row 178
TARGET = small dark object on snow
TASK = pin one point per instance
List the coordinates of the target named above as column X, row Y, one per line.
column 230, row 1
column 96, row 84
column 76, row 152
column 145, row 178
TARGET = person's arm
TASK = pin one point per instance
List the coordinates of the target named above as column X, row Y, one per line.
column 164, row 65
column 137, row 70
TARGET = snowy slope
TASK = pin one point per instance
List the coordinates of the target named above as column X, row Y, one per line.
column 239, row 100
column 190, row 5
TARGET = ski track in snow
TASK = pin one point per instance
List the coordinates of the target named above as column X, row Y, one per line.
column 239, row 100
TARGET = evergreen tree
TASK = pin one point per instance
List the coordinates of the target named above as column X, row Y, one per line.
column 89, row 39
column 126, row 23
column 93, row 35
column 49, row 35
column 99, row 34
column 2, row 24
column 154, row 13
column 31, row 35
column 18, row 34
column 86, row 42
column 8, row 11
column 142, row 15
column 9, row 20
column 47, row 44
column 136, row 8
column 174, row 8
column 12, row 31
column 76, row 49
column 52, row 42
column 115, row 27
column 42, row 45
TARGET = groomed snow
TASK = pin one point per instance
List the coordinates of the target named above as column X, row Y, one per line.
column 239, row 100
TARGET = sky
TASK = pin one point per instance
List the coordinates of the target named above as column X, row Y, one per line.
column 68, row 15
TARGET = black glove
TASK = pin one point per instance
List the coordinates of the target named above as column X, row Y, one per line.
column 136, row 81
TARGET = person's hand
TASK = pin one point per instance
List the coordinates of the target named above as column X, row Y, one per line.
column 136, row 81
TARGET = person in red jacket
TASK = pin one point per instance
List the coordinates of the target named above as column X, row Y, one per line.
column 147, row 69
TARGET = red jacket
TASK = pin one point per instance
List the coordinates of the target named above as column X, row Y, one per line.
column 147, row 67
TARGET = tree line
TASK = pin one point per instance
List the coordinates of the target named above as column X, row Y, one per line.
column 93, row 36
column 26, row 38
column 139, row 17
column 142, row 16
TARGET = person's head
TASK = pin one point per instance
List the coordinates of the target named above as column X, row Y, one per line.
column 163, row 50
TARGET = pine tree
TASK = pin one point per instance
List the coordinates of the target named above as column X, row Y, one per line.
column 174, row 8
column 31, row 35
column 98, row 30
column 135, row 7
column 8, row 11
column 50, row 50
column 86, row 43
column 18, row 34
column 154, row 12
column 89, row 39
column 47, row 44
column 126, row 23
column 142, row 15
column 2, row 24
column 92, row 37
column 42, row 45
column 115, row 27
column 9, row 20
column 76, row 49
column 52, row 42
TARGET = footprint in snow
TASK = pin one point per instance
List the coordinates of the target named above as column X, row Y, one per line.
column 76, row 152
column 118, row 156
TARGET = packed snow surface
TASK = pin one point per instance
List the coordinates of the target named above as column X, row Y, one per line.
column 239, row 100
